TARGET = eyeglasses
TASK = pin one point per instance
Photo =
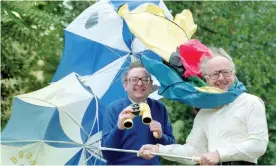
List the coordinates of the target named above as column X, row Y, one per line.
column 225, row 73
column 134, row 80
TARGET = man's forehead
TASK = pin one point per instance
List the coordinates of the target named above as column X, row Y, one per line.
column 138, row 71
column 218, row 62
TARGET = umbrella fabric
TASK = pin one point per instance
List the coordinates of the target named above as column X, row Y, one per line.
column 62, row 118
column 167, row 37
column 99, row 47
column 173, row 87
column 190, row 54
column 190, row 90
column 61, row 123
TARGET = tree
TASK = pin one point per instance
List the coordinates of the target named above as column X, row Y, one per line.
column 31, row 45
column 32, row 42
column 245, row 30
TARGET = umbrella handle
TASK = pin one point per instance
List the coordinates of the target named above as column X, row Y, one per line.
column 196, row 159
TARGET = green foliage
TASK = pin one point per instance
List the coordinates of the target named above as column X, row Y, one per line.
column 32, row 42
column 247, row 32
column 31, row 45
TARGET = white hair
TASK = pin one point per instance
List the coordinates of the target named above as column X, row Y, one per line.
column 214, row 52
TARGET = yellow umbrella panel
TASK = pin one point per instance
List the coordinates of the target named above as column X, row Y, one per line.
column 157, row 33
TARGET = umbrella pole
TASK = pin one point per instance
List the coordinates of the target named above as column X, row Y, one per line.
column 196, row 159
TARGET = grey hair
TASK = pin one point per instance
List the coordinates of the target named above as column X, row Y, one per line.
column 135, row 64
column 215, row 52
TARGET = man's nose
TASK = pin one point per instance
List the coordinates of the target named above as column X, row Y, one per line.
column 139, row 82
column 220, row 77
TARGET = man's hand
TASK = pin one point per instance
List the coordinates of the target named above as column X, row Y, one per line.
column 125, row 114
column 209, row 158
column 146, row 149
column 156, row 127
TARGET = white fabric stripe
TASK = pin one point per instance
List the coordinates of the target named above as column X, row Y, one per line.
column 76, row 111
column 165, row 9
column 82, row 158
column 62, row 113
column 137, row 46
column 155, row 95
column 94, row 140
column 70, row 128
column 100, row 81
column 59, row 93
column 96, row 155
column 70, row 98
column 107, row 27
column 47, row 141
column 38, row 153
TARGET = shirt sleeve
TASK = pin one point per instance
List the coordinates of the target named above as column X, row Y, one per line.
column 111, row 133
column 256, row 142
column 196, row 144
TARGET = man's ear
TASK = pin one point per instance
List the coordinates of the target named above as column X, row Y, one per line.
column 206, row 79
column 125, row 86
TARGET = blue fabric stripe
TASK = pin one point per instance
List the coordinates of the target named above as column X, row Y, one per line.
column 88, row 119
column 75, row 159
column 116, row 90
column 35, row 123
column 127, row 35
column 149, row 54
column 84, row 56
column 94, row 160
column 27, row 122
column 55, row 132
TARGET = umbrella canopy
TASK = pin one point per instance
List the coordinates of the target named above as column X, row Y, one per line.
column 164, row 40
column 62, row 118
column 98, row 44
column 179, row 75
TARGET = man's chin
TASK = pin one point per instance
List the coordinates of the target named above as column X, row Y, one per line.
column 140, row 97
column 224, row 88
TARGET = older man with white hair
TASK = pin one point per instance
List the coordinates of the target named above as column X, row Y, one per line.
column 234, row 134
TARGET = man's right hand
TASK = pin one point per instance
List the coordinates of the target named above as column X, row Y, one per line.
column 125, row 114
column 145, row 151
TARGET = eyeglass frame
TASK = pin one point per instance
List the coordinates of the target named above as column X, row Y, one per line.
column 140, row 79
column 220, row 72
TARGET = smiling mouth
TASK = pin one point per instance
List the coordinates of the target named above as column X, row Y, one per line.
column 140, row 90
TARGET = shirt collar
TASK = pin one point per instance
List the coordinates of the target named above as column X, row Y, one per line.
column 133, row 102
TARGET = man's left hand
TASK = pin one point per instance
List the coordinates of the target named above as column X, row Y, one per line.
column 156, row 127
column 209, row 158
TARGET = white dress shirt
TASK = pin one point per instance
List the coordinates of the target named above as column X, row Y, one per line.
column 238, row 131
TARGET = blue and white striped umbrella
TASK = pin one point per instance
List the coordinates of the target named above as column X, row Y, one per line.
column 58, row 124
column 61, row 123
column 99, row 47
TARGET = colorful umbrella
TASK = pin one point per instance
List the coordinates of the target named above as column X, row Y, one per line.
column 60, row 124
column 179, row 75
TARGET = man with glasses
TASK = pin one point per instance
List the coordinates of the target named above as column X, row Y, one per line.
column 234, row 134
column 138, row 84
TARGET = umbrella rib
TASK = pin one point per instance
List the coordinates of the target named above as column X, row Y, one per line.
column 112, row 50
column 118, row 77
column 62, row 142
column 105, row 71
column 61, row 110
column 95, row 154
column 96, row 118
column 91, row 155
